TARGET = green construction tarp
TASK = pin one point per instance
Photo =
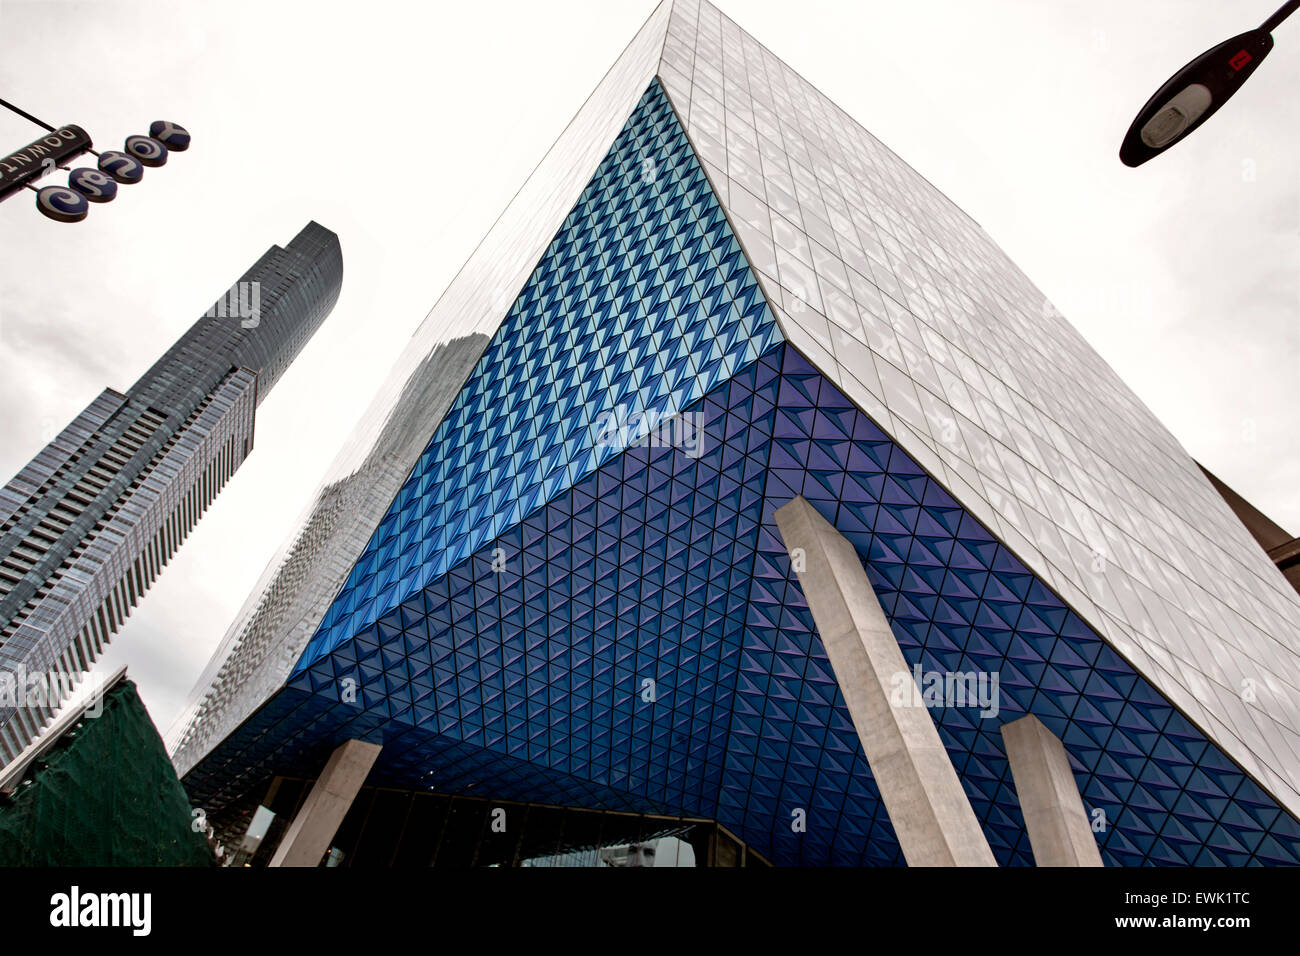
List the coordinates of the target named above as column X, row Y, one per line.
column 105, row 795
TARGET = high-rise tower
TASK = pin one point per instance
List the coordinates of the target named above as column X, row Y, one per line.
column 87, row 526
column 798, row 339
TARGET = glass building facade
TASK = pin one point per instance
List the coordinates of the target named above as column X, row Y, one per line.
column 88, row 525
column 765, row 302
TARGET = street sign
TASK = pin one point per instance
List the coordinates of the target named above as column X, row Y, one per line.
column 94, row 185
column 125, row 169
column 62, row 204
column 85, row 185
column 147, row 149
column 174, row 137
column 36, row 159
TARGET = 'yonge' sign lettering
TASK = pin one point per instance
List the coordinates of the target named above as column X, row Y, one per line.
column 70, row 203
column 38, row 158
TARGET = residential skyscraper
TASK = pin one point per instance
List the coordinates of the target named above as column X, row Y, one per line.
column 87, row 526
column 859, row 467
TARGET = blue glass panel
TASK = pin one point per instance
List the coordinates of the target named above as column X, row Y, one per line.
column 645, row 644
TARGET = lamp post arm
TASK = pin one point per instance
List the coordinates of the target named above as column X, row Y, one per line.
column 1284, row 11
column 26, row 115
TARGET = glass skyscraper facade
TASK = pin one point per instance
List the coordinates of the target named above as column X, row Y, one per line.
column 88, row 525
column 528, row 606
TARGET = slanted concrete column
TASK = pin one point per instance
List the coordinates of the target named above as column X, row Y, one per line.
column 308, row 837
column 927, row 806
column 1049, row 799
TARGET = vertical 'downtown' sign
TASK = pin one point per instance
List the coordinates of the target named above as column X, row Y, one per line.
column 36, row 159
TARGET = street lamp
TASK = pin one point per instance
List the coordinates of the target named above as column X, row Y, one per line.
column 1194, row 93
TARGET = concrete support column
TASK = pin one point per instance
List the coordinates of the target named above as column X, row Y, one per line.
column 309, row 836
column 1049, row 799
column 927, row 806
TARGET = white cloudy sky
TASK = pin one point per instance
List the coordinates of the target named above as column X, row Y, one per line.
column 406, row 128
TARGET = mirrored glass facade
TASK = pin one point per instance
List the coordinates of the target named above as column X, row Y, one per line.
column 88, row 525
column 769, row 303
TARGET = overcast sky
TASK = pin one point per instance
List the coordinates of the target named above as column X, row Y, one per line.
column 407, row 127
